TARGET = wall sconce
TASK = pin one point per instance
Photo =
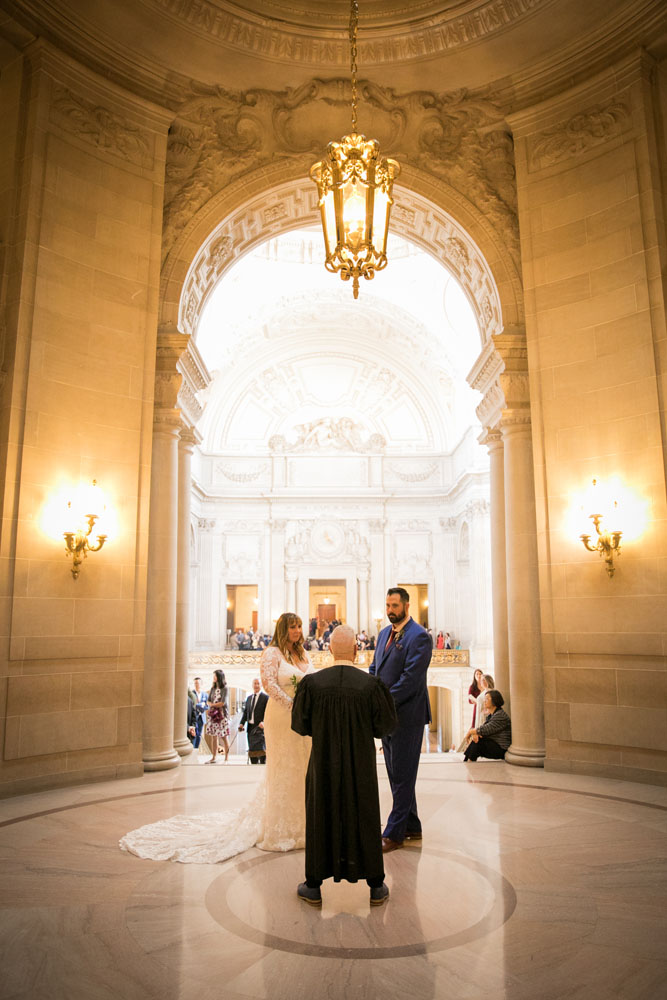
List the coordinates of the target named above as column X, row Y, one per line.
column 608, row 541
column 378, row 624
column 81, row 517
column 327, row 600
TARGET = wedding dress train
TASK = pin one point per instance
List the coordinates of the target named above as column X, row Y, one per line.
column 273, row 820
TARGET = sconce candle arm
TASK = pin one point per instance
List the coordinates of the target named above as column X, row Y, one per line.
column 78, row 544
column 608, row 543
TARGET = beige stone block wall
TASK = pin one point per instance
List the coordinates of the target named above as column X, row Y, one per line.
column 82, row 289
column 593, row 248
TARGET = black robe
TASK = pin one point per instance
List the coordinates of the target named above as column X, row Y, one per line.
column 343, row 708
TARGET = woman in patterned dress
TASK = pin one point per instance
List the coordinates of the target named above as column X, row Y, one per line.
column 217, row 726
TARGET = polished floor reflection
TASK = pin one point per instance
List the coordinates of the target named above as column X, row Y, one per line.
column 527, row 885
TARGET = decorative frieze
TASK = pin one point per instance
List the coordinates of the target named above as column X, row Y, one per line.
column 581, row 132
column 100, row 127
column 221, row 135
column 439, row 31
column 327, row 434
column 422, row 223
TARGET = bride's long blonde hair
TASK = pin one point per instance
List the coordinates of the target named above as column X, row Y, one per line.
column 281, row 637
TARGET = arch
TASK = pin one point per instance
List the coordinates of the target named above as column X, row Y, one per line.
column 274, row 200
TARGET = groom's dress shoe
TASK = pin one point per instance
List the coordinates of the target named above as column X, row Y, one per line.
column 308, row 895
column 413, row 836
column 390, row 845
column 379, row 895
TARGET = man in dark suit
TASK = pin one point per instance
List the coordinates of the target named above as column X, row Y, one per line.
column 401, row 661
column 253, row 715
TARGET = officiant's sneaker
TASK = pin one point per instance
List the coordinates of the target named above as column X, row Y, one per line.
column 379, row 895
column 312, row 896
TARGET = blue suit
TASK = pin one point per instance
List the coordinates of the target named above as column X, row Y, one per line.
column 403, row 668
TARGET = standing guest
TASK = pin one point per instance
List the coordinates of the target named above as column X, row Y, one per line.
column 474, row 691
column 201, row 704
column 401, row 661
column 192, row 717
column 493, row 739
column 217, row 726
column 440, row 641
column 486, row 684
column 344, row 710
column 448, row 641
column 253, row 714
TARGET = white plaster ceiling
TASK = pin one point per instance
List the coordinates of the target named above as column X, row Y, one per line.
column 288, row 345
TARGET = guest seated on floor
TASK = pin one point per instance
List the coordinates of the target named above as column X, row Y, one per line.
column 492, row 738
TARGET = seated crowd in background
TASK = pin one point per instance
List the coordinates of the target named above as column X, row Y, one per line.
column 248, row 639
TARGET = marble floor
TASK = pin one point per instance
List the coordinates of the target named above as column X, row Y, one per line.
column 527, row 885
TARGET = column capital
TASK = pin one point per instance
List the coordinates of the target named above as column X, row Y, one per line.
column 493, row 439
column 515, row 421
column 166, row 421
column 188, row 438
column 170, row 346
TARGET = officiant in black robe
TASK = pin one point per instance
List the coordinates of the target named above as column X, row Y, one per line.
column 344, row 709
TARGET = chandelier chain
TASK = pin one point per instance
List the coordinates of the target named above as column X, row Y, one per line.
column 354, row 22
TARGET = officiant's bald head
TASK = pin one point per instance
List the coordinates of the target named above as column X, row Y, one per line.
column 343, row 643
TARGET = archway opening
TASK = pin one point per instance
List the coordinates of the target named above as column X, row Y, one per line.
column 339, row 443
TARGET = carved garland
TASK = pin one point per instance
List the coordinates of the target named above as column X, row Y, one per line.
column 583, row 131
column 100, row 127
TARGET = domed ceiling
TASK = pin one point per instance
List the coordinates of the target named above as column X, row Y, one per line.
column 164, row 48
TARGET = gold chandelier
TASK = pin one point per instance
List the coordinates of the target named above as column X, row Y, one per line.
column 355, row 184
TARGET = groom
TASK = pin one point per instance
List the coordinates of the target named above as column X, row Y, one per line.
column 401, row 661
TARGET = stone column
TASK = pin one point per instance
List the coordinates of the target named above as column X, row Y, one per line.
column 159, row 661
column 290, row 589
column 523, row 595
column 186, row 443
column 501, row 665
column 501, row 373
column 363, row 577
column 478, row 519
column 446, row 616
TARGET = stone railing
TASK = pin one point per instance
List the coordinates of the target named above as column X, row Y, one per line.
column 234, row 659
column 449, row 669
column 229, row 659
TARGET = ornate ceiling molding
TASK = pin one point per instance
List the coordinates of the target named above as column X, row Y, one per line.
column 315, row 34
column 221, row 136
column 295, row 205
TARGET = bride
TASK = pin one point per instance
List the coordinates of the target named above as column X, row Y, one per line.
column 274, row 820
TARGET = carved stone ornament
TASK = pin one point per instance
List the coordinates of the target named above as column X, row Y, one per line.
column 205, row 524
column 581, row 132
column 448, row 523
column 242, row 475
column 244, row 228
column 328, row 434
column 440, row 28
column 100, row 127
column 415, row 475
column 220, row 135
column 168, row 379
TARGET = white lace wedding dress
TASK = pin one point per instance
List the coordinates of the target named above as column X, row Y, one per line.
column 274, row 819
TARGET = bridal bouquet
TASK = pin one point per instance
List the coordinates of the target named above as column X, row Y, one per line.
column 295, row 683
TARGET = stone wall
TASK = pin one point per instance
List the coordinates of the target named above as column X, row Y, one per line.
column 593, row 247
column 82, row 209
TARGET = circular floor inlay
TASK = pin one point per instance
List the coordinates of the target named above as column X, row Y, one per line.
column 255, row 899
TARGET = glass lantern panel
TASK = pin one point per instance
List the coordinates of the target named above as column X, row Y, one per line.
column 354, row 214
column 329, row 223
column 380, row 221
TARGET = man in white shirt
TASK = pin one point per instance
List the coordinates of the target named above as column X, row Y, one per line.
column 253, row 715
